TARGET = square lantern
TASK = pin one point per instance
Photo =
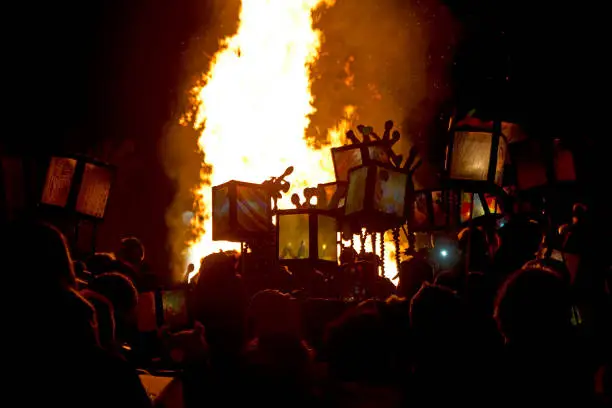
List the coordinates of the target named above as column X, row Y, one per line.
column 377, row 197
column 307, row 234
column 439, row 209
column 241, row 212
column 348, row 157
column 331, row 196
column 539, row 164
column 78, row 184
column 475, row 158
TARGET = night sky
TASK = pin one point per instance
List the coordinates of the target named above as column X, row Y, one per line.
column 87, row 76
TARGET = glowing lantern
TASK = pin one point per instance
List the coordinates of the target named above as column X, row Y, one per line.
column 540, row 164
column 348, row 157
column 378, row 197
column 307, row 234
column 241, row 212
column 78, row 184
column 476, row 156
column 440, row 209
column 331, row 195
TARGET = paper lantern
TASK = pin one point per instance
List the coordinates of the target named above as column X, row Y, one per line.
column 538, row 164
column 241, row 212
column 348, row 157
column 94, row 189
column 441, row 209
column 377, row 197
column 307, row 234
column 78, row 184
column 475, row 158
column 331, row 196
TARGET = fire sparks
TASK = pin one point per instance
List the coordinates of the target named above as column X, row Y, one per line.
column 254, row 107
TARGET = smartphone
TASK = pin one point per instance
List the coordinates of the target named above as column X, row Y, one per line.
column 174, row 306
column 501, row 222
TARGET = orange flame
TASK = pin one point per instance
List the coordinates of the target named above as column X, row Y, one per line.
column 254, row 108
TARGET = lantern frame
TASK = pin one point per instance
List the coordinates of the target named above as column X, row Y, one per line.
column 544, row 166
column 236, row 232
column 452, row 209
column 72, row 201
column 372, row 219
column 312, row 260
column 365, row 156
column 492, row 182
column 334, row 201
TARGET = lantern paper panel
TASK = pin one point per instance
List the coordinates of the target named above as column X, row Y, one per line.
column 376, row 197
column 440, row 207
column 357, row 190
column 477, row 208
column 420, row 216
column 379, row 153
column 502, row 151
column 58, row 182
column 293, row 236
column 345, row 160
column 471, row 156
column 390, row 192
column 94, row 190
column 221, row 212
column 327, row 239
column 331, row 195
column 241, row 211
column 465, row 212
column 253, row 208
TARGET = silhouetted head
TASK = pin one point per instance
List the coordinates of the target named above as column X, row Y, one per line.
column 436, row 315
column 358, row 346
column 118, row 289
column 131, row 250
column 413, row 273
column 475, row 240
column 37, row 253
column 274, row 314
column 533, row 306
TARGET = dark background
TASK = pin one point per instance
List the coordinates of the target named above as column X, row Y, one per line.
column 103, row 76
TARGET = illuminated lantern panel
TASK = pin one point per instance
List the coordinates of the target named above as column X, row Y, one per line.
column 377, row 197
column 476, row 156
column 446, row 209
column 346, row 158
column 241, row 212
column 307, row 234
column 78, row 184
column 331, row 195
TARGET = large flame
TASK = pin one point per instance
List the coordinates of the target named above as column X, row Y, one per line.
column 254, row 107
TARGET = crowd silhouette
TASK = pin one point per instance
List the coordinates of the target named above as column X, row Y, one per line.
column 508, row 324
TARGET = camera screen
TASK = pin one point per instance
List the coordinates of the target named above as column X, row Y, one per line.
column 174, row 305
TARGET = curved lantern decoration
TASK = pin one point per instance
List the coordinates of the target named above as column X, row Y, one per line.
column 475, row 158
column 241, row 211
column 378, row 197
